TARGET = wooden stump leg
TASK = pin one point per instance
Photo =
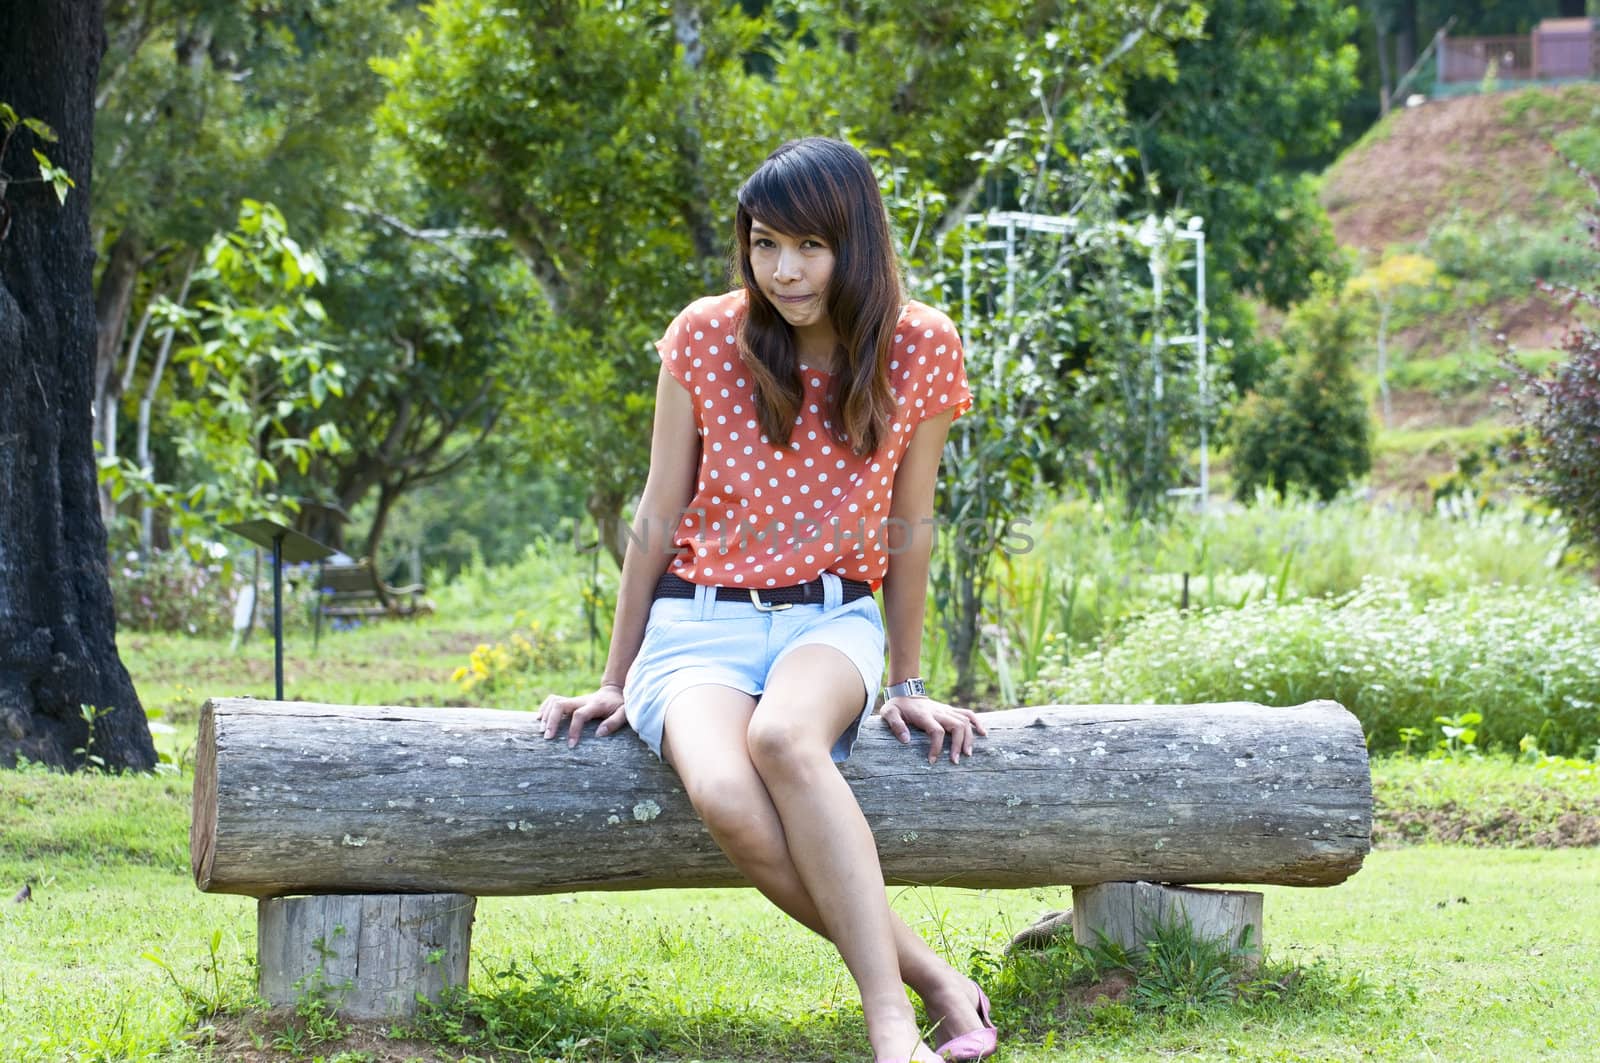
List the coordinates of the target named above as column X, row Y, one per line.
column 1128, row 913
column 369, row 956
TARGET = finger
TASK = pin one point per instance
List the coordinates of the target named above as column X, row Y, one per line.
column 896, row 725
column 977, row 722
column 611, row 723
column 958, row 740
column 552, row 718
column 575, row 729
column 936, row 734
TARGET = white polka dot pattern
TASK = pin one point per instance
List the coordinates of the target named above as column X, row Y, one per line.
column 775, row 516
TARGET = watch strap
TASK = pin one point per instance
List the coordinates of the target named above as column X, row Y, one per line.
column 913, row 687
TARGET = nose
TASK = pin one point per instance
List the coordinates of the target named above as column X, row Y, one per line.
column 787, row 267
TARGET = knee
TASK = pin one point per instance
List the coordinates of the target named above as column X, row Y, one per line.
column 728, row 804
column 778, row 745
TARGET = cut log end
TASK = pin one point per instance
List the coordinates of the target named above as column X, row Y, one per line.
column 203, row 824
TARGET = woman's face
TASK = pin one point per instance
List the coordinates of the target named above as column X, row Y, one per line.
column 793, row 273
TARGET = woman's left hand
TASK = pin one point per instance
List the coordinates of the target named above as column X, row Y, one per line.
column 937, row 720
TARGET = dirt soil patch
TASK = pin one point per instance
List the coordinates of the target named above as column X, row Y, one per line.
column 1540, row 818
column 1450, row 154
column 255, row 1037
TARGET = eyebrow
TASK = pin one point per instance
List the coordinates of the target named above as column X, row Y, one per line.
column 757, row 227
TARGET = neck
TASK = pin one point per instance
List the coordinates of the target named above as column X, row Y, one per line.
column 815, row 345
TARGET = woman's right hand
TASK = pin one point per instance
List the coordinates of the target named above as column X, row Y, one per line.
column 605, row 705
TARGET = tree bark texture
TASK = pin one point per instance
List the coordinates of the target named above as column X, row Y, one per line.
column 305, row 798
column 57, row 630
column 369, row 956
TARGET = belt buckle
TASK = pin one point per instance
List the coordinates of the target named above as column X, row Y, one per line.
column 755, row 600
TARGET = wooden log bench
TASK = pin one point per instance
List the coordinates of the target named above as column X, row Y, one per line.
column 368, row 832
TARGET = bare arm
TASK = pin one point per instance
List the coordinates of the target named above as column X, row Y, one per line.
column 905, row 594
column 910, row 546
column 674, row 464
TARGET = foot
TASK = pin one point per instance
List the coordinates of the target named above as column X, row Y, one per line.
column 979, row 1042
column 952, row 1008
column 897, row 1040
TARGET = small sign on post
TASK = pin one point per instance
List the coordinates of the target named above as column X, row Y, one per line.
column 288, row 545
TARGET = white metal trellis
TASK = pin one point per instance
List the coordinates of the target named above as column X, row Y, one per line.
column 1009, row 225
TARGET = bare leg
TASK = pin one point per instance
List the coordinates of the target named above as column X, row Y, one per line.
column 811, row 696
column 706, row 744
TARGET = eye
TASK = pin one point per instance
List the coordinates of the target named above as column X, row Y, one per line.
column 763, row 242
column 814, row 243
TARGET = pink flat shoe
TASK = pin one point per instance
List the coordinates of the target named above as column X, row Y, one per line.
column 974, row 1044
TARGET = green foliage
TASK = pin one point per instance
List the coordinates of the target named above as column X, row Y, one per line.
column 1527, row 662
column 203, row 103
column 1537, row 800
column 204, row 997
column 49, row 173
column 613, row 196
column 436, row 323
column 527, row 1009
column 1253, row 106
column 254, row 366
column 1307, row 427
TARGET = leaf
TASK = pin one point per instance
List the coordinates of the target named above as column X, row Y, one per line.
column 40, row 129
column 8, row 117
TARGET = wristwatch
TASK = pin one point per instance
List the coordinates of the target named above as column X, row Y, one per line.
column 907, row 688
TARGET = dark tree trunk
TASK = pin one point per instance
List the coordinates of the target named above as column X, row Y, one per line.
column 58, row 648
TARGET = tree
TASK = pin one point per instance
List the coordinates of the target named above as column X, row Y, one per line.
column 1308, row 426
column 1389, row 284
column 1254, row 106
column 434, row 321
column 1561, row 408
column 201, row 104
column 605, row 142
column 64, row 693
column 257, row 373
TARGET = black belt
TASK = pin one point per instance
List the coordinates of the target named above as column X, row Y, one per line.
column 766, row 598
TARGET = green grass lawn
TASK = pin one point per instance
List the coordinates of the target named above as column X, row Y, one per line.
column 1431, row 952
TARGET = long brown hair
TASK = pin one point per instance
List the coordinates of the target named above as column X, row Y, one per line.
column 824, row 188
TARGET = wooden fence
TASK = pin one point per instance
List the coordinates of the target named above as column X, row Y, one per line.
column 1557, row 49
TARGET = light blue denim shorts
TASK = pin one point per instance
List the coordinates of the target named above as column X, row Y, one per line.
column 693, row 642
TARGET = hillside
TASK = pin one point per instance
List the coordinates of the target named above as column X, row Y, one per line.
column 1472, row 183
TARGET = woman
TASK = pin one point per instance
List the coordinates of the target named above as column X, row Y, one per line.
column 798, row 429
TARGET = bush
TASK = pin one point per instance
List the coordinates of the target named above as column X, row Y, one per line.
column 1564, row 416
column 1527, row 661
column 1308, row 426
column 168, row 591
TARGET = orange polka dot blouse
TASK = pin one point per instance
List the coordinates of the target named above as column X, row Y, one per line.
column 764, row 515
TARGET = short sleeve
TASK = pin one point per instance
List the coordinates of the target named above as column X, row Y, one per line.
column 676, row 347
column 944, row 381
